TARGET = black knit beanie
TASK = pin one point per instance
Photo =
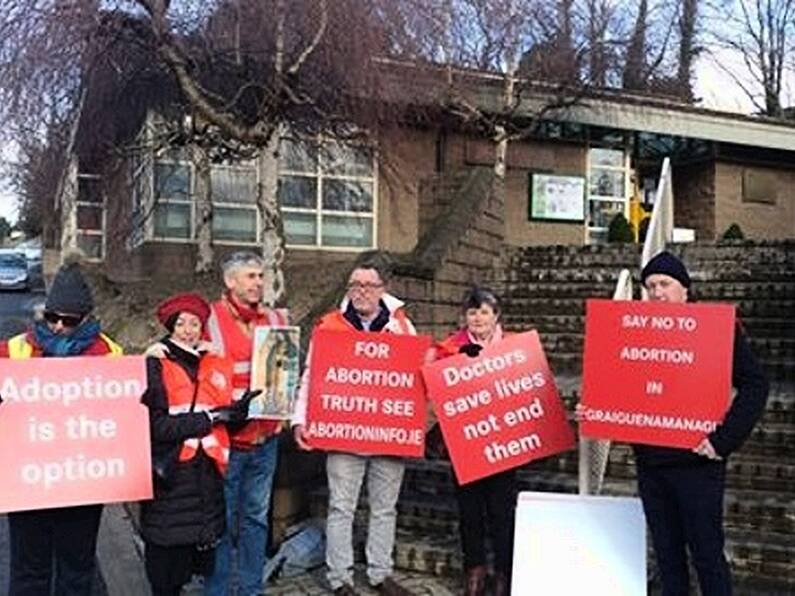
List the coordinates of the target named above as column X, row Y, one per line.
column 70, row 293
column 666, row 264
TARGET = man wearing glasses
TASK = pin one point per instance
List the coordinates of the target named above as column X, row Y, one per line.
column 366, row 307
column 61, row 540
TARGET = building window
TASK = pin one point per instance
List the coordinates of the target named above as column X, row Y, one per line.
column 327, row 194
column 173, row 209
column 90, row 206
column 608, row 176
column 234, row 191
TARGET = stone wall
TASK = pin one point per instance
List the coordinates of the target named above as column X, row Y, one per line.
column 525, row 157
column 758, row 221
column 694, row 198
column 461, row 247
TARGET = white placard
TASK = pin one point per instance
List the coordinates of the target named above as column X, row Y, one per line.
column 572, row 544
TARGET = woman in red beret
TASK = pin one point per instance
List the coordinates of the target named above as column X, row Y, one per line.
column 189, row 396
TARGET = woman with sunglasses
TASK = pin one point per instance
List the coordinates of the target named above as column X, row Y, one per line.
column 189, row 396
column 58, row 546
column 486, row 506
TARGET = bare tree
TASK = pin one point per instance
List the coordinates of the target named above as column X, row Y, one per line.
column 762, row 34
column 688, row 47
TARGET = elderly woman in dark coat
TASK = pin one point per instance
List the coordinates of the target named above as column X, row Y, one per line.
column 486, row 506
column 188, row 395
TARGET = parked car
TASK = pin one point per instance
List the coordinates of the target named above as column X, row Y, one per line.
column 14, row 272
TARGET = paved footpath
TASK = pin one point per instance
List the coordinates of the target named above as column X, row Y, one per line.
column 121, row 565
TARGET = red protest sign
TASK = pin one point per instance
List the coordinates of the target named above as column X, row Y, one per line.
column 73, row 432
column 366, row 394
column 499, row 410
column 656, row 372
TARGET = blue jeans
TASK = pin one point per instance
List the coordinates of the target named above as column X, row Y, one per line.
column 247, row 490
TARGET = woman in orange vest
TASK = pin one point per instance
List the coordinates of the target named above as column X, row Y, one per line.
column 488, row 503
column 189, row 396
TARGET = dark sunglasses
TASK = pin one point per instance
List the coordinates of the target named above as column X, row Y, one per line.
column 66, row 320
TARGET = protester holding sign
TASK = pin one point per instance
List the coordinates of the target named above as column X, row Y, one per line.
column 366, row 307
column 492, row 500
column 65, row 538
column 189, row 396
column 682, row 490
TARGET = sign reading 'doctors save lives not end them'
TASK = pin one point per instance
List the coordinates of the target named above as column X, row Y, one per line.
column 366, row 394
column 73, row 432
column 499, row 410
column 654, row 372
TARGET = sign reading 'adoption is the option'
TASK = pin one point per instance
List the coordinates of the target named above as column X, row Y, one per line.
column 655, row 372
column 366, row 394
column 499, row 410
column 73, row 432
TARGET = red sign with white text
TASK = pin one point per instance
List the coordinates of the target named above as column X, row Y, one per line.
column 655, row 372
column 499, row 410
column 73, row 432
column 366, row 394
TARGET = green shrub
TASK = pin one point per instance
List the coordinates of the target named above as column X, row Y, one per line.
column 620, row 230
column 733, row 232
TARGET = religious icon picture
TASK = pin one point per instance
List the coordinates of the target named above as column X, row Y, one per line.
column 274, row 369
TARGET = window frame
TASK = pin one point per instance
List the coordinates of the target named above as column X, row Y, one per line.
column 318, row 211
column 624, row 169
column 103, row 217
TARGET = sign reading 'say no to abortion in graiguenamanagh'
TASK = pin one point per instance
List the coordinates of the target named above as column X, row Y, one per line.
column 655, row 372
column 73, row 432
column 499, row 410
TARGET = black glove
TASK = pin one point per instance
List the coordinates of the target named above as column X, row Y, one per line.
column 471, row 350
column 237, row 412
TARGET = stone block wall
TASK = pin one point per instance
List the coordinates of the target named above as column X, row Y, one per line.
column 461, row 247
column 694, row 198
column 758, row 221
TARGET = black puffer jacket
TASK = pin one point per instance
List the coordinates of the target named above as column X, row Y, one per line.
column 749, row 379
column 189, row 509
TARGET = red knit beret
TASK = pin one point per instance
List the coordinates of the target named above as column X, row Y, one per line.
column 188, row 302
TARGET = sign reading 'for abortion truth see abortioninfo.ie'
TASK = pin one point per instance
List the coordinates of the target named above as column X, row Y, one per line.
column 73, row 432
column 499, row 410
column 366, row 394
column 655, row 372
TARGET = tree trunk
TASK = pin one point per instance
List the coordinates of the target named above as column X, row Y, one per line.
column 635, row 66
column 204, row 209
column 687, row 48
column 271, row 223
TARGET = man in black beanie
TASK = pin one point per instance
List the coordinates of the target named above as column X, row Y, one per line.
column 682, row 490
column 61, row 539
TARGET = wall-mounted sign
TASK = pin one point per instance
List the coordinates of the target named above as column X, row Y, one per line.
column 557, row 198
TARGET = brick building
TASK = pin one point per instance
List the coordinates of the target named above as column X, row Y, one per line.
column 584, row 163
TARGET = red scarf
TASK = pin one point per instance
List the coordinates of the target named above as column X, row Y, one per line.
column 246, row 313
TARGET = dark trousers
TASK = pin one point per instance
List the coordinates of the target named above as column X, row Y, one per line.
column 488, row 504
column 684, row 509
column 63, row 539
column 168, row 568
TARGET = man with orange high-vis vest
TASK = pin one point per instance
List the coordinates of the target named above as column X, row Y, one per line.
column 366, row 307
column 54, row 550
column 252, row 460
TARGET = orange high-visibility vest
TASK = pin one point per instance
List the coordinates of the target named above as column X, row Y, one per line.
column 336, row 321
column 213, row 388
column 230, row 340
